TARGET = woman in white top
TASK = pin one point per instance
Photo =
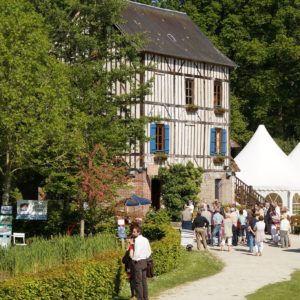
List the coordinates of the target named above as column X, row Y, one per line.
column 259, row 235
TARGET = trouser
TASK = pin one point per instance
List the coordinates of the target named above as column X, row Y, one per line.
column 132, row 287
column 242, row 233
column 234, row 236
column 187, row 225
column 208, row 234
column 217, row 230
column 250, row 242
column 229, row 241
column 201, row 237
column 259, row 247
column 284, row 238
column 140, row 279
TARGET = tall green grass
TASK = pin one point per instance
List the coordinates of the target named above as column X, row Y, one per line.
column 42, row 255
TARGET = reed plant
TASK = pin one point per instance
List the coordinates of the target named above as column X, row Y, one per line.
column 41, row 254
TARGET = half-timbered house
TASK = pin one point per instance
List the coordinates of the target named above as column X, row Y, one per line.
column 189, row 96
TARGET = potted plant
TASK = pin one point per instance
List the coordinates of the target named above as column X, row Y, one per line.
column 219, row 110
column 218, row 159
column 160, row 157
column 191, row 108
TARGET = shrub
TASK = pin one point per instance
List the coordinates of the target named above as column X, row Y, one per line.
column 179, row 184
column 158, row 217
column 166, row 252
column 97, row 278
column 100, row 277
column 297, row 230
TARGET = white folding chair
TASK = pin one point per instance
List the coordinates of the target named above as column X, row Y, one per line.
column 19, row 236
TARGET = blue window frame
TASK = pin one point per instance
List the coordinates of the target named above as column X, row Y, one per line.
column 159, row 138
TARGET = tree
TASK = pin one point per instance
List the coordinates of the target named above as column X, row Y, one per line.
column 262, row 37
column 179, row 184
column 38, row 127
column 83, row 35
column 99, row 179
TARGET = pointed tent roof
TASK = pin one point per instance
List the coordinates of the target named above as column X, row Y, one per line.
column 264, row 165
column 295, row 157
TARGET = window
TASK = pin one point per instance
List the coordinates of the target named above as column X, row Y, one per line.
column 159, row 138
column 189, row 91
column 218, row 141
column 217, row 93
column 274, row 198
column 296, row 204
column 217, row 188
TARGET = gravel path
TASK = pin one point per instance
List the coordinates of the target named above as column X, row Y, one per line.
column 243, row 273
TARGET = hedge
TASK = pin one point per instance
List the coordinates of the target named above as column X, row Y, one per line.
column 166, row 250
column 97, row 278
column 101, row 277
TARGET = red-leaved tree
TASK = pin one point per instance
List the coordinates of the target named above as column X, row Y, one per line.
column 100, row 177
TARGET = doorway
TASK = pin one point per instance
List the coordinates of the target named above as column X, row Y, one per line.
column 155, row 193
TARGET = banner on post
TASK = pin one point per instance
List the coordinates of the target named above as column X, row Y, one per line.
column 32, row 210
column 6, row 210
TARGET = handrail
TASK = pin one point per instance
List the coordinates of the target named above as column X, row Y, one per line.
column 246, row 195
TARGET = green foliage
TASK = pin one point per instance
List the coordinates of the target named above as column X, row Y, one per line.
column 239, row 132
column 179, row 184
column 83, row 35
column 287, row 289
column 262, row 38
column 158, row 217
column 153, row 232
column 41, row 255
column 100, row 277
column 97, row 278
column 166, row 249
column 37, row 125
column 287, row 146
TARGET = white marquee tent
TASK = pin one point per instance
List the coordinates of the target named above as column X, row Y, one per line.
column 294, row 156
column 268, row 169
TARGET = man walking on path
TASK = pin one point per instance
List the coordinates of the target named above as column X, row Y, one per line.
column 200, row 226
column 217, row 222
column 142, row 252
column 186, row 217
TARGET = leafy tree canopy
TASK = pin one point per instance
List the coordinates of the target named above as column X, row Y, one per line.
column 179, row 185
column 38, row 126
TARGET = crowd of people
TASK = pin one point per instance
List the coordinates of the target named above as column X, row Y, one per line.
column 233, row 225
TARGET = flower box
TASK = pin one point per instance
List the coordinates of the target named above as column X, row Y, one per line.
column 219, row 110
column 160, row 157
column 191, row 108
column 218, row 159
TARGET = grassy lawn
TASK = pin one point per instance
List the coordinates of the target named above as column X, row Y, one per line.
column 193, row 265
column 282, row 290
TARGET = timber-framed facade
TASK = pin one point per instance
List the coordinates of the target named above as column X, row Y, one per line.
column 189, row 97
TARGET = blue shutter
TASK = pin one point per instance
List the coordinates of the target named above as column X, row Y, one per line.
column 212, row 141
column 224, row 142
column 152, row 138
column 167, row 138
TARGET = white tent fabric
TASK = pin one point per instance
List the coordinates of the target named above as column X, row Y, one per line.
column 265, row 166
column 295, row 158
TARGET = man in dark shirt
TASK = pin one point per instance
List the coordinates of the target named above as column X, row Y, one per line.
column 199, row 225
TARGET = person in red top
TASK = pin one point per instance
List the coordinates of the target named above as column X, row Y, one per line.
column 127, row 261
